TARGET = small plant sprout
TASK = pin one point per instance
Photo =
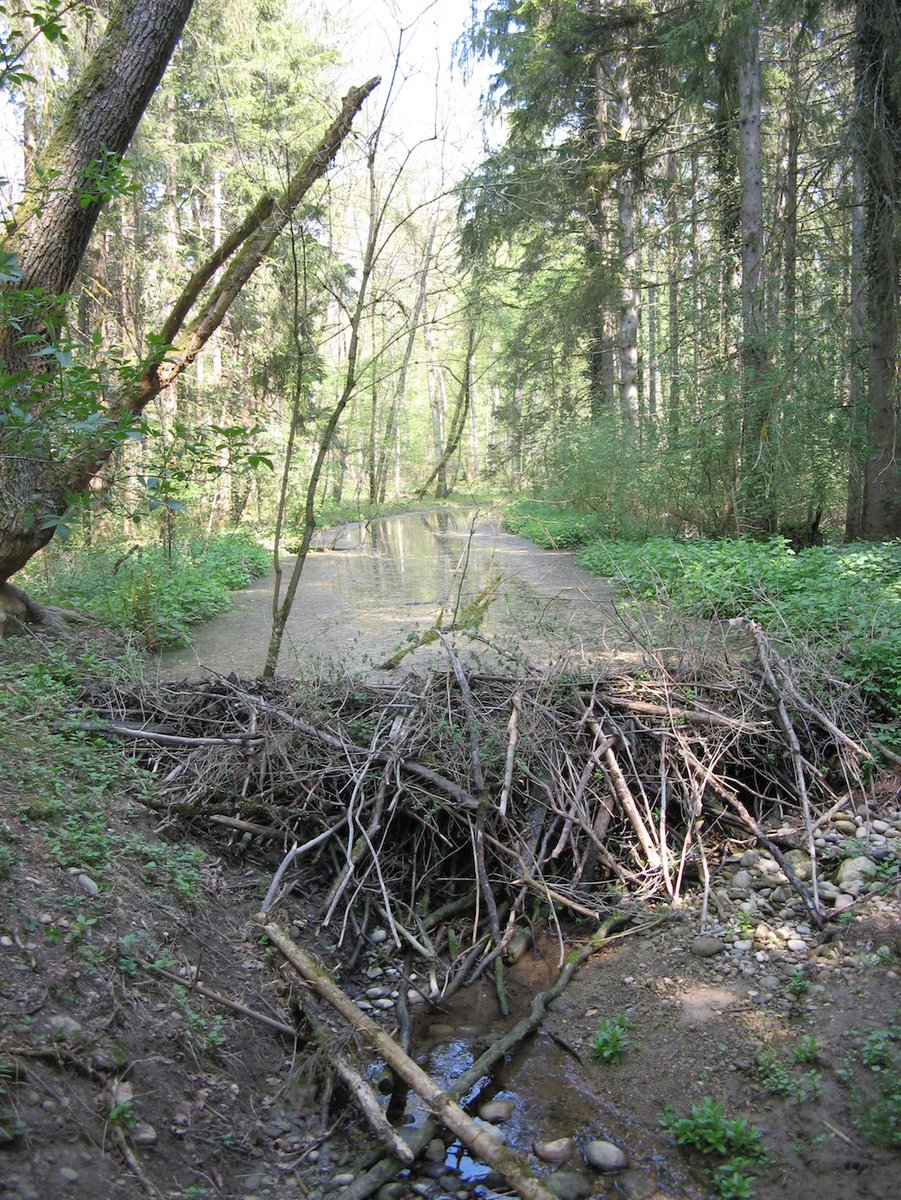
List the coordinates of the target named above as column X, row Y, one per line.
column 807, row 1050
column 797, row 985
column 735, row 1140
column 611, row 1040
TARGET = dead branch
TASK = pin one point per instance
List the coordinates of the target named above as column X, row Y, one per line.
column 448, row 1111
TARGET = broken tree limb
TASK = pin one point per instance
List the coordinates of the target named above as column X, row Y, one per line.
column 512, row 739
column 384, row 1170
column 445, row 1108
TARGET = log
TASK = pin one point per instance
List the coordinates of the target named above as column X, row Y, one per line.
column 446, row 1109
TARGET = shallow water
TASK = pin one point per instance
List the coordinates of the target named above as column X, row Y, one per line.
column 372, row 587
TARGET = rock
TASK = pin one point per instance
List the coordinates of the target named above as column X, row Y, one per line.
column 842, row 901
column 435, row 1151
column 385, row 1004
column 517, row 946
column 440, row 1029
column 707, row 946
column 374, row 972
column 496, row 1111
column 742, row 944
column 855, row 870
column 568, row 1185
column 343, row 1179
column 741, row 881
column 395, row 1190
column 750, row 858
column 64, row 1027
column 799, row 861
column 378, row 936
column 604, row 1156
column 144, row 1134
column 69, row 1174
column 796, row 945
column 555, row 1149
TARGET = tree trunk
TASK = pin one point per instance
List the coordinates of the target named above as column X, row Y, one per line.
column 53, row 226
column 856, row 361
column 630, row 295
column 672, row 263
column 879, row 117
column 34, row 489
column 757, row 507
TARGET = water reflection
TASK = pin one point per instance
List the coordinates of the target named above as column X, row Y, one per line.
column 376, row 586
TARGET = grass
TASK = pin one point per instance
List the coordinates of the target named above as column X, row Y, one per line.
column 60, row 780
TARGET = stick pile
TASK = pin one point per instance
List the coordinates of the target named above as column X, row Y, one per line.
column 452, row 808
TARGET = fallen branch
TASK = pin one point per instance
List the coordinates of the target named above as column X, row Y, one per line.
column 448, row 1111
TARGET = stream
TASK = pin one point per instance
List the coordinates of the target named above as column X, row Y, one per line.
column 369, row 587
column 367, row 590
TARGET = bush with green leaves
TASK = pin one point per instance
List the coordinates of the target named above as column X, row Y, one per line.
column 709, row 1131
column 145, row 588
column 552, row 527
column 846, row 599
column 611, row 1040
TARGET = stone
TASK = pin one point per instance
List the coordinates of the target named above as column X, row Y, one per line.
column 385, row 1004
column 855, row 870
column 799, row 861
column 517, row 946
column 69, row 1174
column 554, row 1149
column 378, row 936
column 495, row 1111
column 435, row 1151
column 343, row 1179
column 64, row 1027
column 741, row 881
column 144, row 1134
column 395, row 1190
column 796, row 945
column 706, row 946
column 750, row 858
column 604, row 1156
column 842, row 901
column 569, row 1185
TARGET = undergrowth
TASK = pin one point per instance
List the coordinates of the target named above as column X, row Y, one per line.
column 146, row 590
column 846, row 599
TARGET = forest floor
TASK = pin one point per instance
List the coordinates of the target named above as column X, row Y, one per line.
column 122, row 1079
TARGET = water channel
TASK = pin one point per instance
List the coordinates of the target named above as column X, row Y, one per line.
column 369, row 588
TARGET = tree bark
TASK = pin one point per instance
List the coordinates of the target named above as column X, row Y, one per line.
column 879, row 118
column 33, row 487
column 758, row 513
column 53, row 226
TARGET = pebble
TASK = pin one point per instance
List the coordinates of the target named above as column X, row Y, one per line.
column 842, row 901
column 495, row 1111
column 707, row 946
column 89, row 885
column 6, row 942
column 855, row 870
column 741, row 881
column 435, row 1151
column 62, row 1026
column 144, row 1134
column 384, row 1004
column 568, row 1185
column 378, row 936
column 342, row 1180
column 69, row 1174
column 750, row 858
column 604, row 1156
column 555, row 1149
column 742, row 944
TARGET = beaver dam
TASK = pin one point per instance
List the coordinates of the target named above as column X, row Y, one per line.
column 451, row 818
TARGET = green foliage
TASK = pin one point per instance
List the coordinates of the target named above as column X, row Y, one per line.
column 873, row 1073
column 797, row 984
column 807, row 1050
column 550, row 526
column 149, row 591
column 844, row 598
column 176, row 868
column 611, row 1040
column 709, row 1131
column 207, row 1033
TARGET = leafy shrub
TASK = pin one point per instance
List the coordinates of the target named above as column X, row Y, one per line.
column 552, row 527
column 844, row 598
column 611, row 1040
column 142, row 589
